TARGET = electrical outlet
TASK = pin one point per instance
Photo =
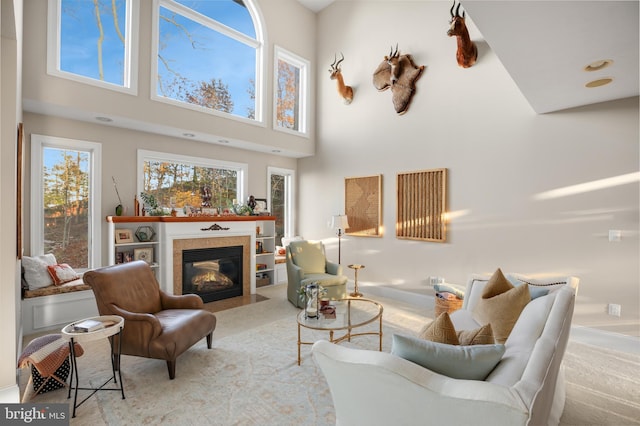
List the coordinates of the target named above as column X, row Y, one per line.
column 614, row 309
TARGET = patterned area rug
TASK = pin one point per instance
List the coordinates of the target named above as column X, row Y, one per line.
column 251, row 377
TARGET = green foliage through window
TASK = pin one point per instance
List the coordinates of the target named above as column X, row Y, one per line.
column 176, row 185
column 66, row 206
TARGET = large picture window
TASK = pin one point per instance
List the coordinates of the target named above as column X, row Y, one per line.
column 291, row 89
column 94, row 42
column 208, row 56
column 178, row 181
column 65, row 200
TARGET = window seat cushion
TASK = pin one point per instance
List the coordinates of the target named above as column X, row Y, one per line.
column 75, row 285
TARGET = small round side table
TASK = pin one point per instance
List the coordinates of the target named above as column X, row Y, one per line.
column 356, row 267
column 112, row 326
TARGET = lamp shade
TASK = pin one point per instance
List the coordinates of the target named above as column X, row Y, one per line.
column 339, row 221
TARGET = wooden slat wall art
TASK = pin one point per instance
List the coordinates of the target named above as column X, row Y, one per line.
column 421, row 198
column 363, row 205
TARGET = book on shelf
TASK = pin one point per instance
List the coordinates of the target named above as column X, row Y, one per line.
column 88, row 325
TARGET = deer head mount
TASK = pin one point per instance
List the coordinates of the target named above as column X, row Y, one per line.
column 335, row 73
column 467, row 50
column 399, row 73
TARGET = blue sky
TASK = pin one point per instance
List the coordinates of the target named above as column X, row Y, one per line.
column 214, row 56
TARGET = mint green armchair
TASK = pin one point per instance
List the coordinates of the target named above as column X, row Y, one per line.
column 307, row 263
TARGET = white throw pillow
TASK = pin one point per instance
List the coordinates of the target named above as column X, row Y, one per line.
column 36, row 273
column 458, row 362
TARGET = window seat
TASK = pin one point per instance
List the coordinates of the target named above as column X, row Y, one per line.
column 76, row 285
column 53, row 307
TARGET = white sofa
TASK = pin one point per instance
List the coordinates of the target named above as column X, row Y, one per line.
column 525, row 388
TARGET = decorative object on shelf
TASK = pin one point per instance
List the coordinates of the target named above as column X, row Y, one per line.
column 399, row 73
column 261, row 206
column 335, row 73
column 119, row 207
column 356, row 292
column 205, row 195
column 151, row 205
column 467, row 52
column 124, row 236
column 145, row 233
column 251, row 202
column 363, row 204
column 145, row 254
column 340, row 224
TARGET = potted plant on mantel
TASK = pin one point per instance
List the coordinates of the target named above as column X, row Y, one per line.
column 150, row 205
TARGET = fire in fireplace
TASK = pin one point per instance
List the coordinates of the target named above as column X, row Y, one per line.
column 212, row 273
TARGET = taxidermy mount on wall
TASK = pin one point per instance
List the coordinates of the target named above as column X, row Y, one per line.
column 467, row 50
column 335, row 73
column 399, row 73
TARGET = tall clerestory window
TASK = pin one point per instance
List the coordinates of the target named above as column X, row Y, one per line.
column 291, row 88
column 208, row 55
column 94, row 42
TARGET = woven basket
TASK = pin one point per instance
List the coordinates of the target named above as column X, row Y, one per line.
column 447, row 305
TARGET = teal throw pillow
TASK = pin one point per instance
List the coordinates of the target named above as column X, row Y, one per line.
column 458, row 362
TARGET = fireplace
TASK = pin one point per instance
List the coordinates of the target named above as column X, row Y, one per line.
column 198, row 246
column 213, row 273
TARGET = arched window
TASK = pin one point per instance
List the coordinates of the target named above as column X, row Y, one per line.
column 208, row 55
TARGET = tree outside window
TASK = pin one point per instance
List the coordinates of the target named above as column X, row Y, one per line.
column 93, row 41
column 66, row 206
column 65, row 200
column 207, row 55
column 177, row 181
column 290, row 91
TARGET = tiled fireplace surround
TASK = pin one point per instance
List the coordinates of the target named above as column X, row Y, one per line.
column 178, row 236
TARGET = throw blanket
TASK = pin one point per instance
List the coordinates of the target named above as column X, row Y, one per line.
column 47, row 353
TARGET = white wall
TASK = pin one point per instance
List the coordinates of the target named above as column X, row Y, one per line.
column 10, row 115
column 499, row 154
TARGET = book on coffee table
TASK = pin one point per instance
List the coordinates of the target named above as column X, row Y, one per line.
column 88, row 325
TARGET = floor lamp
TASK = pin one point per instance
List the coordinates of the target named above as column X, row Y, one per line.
column 339, row 223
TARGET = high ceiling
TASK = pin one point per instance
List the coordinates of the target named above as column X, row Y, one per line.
column 546, row 45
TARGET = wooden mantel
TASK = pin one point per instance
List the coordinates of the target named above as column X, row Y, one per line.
column 179, row 219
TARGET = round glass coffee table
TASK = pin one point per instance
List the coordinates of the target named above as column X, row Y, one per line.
column 349, row 315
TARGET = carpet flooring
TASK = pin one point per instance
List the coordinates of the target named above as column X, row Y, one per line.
column 251, row 376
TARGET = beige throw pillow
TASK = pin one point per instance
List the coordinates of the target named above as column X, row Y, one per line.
column 440, row 330
column 500, row 305
column 479, row 336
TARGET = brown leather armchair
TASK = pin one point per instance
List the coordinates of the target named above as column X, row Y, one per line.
column 156, row 324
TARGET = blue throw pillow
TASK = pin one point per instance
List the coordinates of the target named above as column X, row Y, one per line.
column 458, row 362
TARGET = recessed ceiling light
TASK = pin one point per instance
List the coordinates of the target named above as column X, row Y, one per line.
column 189, row 135
column 104, row 119
column 599, row 82
column 223, row 141
column 598, row 65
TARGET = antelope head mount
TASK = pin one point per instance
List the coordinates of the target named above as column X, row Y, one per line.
column 399, row 73
column 467, row 50
column 335, row 73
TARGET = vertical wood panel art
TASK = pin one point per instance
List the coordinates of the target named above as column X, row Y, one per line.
column 421, row 198
column 363, row 205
